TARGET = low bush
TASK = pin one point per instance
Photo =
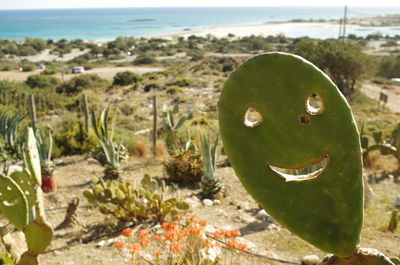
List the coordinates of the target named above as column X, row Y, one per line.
column 125, row 78
column 71, row 138
column 82, row 82
column 144, row 59
column 42, row 81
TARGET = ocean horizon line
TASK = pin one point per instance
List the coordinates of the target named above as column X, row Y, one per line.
column 166, row 7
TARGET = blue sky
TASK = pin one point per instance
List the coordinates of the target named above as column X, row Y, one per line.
column 41, row 4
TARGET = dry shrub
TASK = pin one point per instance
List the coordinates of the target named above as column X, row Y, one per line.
column 161, row 149
column 140, row 149
column 387, row 163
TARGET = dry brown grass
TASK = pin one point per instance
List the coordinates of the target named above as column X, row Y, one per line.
column 140, row 148
column 383, row 164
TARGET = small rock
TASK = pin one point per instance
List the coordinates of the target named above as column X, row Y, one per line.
column 397, row 202
column 92, row 161
column 232, row 202
column 101, row 243
column 216, row 202
column 310, row 260
column 207, row 202
column 194, row 203
column 262, row 214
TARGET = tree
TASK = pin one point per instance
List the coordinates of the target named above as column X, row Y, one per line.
column 344, row 62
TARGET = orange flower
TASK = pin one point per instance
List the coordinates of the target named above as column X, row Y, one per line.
column 144, row 242
column 158, row 238
column 219, row 234
column 135, row 248
column 234, row 233
column 168, row 226
column 119, row 244
column 175, row 247
column 127, row 232
column 178, row 217
column 164, row 226
column 232, row 243
column 191, row 217
column 143, row 233
column 171, row 235
column 194, row 231
column 157, row 253
column 243, row 247
column 202, row 222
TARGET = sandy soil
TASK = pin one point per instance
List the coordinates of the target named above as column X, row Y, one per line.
column 46, row 56
column 393, row 91
column 313, row 29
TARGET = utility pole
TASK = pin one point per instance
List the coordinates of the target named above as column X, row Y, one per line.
column 154, row 125
column 340, row 28
column 344, row 22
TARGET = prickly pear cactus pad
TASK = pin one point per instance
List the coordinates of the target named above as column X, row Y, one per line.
column 292, row 140
column 13, row 202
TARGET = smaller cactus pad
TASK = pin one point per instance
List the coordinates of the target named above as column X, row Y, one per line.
column 13, row 203
column 32, row 157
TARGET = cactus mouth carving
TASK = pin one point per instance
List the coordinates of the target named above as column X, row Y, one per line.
column 310, row 170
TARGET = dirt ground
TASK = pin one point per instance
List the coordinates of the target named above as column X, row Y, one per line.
column 236, row 211
column 393, row 91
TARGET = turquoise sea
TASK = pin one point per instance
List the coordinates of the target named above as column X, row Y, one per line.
column 109, row 23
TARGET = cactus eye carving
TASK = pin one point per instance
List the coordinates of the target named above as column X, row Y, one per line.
column 252, row 118
column 314, row 104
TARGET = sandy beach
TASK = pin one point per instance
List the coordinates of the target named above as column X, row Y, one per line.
column 310, row 29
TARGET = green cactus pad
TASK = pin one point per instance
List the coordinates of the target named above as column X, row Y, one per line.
column 32, row 157
column 280, row 115
column 25, row 182
column 13, row 202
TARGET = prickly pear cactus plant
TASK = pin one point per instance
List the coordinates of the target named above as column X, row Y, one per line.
column 127, row 202
column 22, row 203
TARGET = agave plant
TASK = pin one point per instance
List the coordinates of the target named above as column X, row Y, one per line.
column 47, row 165
column 9, row 125
column 110, row 149
column 211, row 184
column 171, row 127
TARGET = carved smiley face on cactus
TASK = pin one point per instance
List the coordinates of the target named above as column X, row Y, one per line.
column 292, row 140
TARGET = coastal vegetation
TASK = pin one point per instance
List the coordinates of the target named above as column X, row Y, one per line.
column 137, row 167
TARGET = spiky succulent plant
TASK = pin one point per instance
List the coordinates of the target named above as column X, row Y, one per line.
column 105, row 135
column 211, row 184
